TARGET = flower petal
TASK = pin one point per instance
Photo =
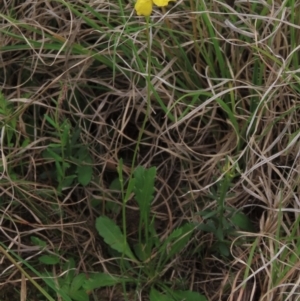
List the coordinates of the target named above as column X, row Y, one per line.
column 161, row 3
column 143, row 7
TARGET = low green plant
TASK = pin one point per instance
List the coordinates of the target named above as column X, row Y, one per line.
column 142, row 264
column 73, row 163
column 224, row 221
column 70, row 285
column 146, row 260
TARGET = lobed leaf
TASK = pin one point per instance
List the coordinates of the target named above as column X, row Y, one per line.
column 113, row 236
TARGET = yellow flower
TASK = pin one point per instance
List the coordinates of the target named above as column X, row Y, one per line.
column 144, row 7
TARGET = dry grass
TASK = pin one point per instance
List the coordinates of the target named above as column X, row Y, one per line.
column 100, row 90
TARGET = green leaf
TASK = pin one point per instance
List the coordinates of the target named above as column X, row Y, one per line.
column 69, row 266
column 83, row 154
column 75, row 290
column 65, row 127
column 180, row 239
column 129, row 189
column 115, row 185
column 59, row 171
column 51, row 121
column 189, row 296
column 79, row 295
column 95, row 202
column 112, row 206
column 101, row 280
column 55, row 146
column 223, row 248
column 25, row 143
column 143, row 251
column 208, row 227
column 177, row 240
column 242, row 221
column 49, row 259
column 78, row 282
column 174, row 235
column 38, row 242
column 49, row 153
column 144, row 185
column 139, row 252
column 120, row 172
column 206, row 214
column 113, row 236
column 227, row 226
column 157, row 296
column 154, row 238
column 220, row 233
column 75, row 134
column 68, row 180
column 65, row 165
column 85, row 172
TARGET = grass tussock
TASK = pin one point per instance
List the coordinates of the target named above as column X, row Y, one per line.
column 149, row 160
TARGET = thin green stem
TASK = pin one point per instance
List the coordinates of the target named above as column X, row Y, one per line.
column 142, row 129
column 148, row 81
